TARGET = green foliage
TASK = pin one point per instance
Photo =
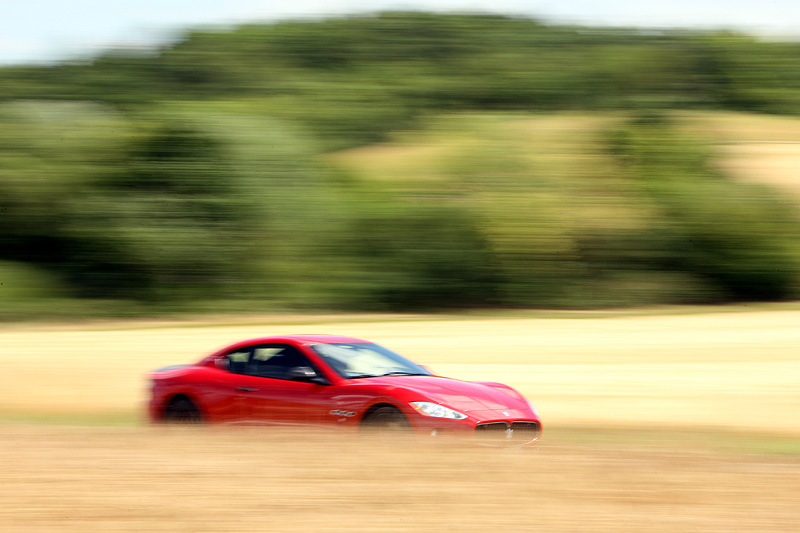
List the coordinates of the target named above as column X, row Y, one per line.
column 22, row 283
column 193, row 173
column 567, row 218
column 417, row 255
column 351, row 81
column 179, row 207
column 50, row 153
column 739, row 240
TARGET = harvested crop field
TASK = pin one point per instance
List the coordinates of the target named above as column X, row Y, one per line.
column 733, row 370
column 653, row 422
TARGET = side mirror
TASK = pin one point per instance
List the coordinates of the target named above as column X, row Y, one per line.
column 305, row 373
column 222, row 363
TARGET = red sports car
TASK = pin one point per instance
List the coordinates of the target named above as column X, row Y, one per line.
column 325, row 380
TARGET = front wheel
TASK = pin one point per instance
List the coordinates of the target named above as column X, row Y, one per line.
column 386, row 421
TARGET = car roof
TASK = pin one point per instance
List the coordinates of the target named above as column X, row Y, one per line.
column 297, row 339
column 302, row 338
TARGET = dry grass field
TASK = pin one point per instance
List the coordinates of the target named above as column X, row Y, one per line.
column 735, row 370
column 653, row 422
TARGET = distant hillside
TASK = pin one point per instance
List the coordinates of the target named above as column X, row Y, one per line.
column 350, row 81
column 748, row 146
column 757, row 148
column 625, row 209
column 402, row 161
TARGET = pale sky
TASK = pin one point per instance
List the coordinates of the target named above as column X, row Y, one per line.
column 46, row 30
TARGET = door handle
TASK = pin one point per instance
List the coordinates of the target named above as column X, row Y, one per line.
column 246, row 389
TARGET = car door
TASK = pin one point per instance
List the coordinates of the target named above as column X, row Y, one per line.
column 225, row 395
column 272, row 397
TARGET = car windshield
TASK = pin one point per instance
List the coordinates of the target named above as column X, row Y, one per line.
column 366, row 360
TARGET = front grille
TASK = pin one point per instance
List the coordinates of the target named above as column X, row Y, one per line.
column 507, row 433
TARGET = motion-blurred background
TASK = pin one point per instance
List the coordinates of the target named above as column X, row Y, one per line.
column 397, row 161
column 530, row 194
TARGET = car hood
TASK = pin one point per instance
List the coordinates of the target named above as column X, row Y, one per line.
column 460, row 395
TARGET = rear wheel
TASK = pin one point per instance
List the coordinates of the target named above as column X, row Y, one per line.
column 183, row 412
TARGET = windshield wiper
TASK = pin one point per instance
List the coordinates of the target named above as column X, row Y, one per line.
column 359, row 376
column 395, row 373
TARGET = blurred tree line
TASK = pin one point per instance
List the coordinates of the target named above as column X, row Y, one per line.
column 191, row 175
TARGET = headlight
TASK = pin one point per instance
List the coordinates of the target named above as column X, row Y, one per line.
column 437, row 411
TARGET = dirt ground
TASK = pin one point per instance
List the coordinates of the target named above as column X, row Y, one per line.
column 58, row 479
column 729, row 371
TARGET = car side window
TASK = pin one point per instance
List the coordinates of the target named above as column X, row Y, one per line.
column 237, row 360
column 275, row 360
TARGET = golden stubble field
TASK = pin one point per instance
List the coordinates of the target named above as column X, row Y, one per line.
column 730, row 372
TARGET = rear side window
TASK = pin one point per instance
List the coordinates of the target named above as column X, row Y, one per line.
column 237, row 361
column 275, row 361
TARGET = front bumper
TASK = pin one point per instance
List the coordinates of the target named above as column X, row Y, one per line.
column 515, row 431
column 508, row 433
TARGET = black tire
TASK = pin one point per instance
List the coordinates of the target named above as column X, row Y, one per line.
column 182, row 411
column 386, row 421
